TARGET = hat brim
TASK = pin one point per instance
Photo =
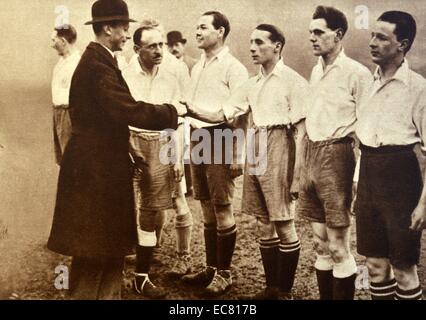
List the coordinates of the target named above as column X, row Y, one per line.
column 176, row 41
column 110, row 19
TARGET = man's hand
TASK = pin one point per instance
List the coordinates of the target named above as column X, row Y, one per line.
column 189, row 107
column 418, row 218
column 181, row 109
column 178, row 171
column 236, row 170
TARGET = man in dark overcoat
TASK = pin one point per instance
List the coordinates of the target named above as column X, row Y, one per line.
column 94, row 220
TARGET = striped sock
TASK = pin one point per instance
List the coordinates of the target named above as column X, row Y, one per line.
column 290, row 247
column 269, row 253
column 412, row 294
column 210, row 240
column 226, row 240
column 383, row 290
column 287, row 264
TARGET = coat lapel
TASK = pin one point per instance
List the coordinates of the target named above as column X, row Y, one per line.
column 108, row 59
column 106, row 56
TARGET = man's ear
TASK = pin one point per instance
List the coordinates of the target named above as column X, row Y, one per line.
column 404, row 45
column 107, row 29
column 136, row 48
column 63, row 40
column 222, row 32
column 339, row 34
column 278, row 47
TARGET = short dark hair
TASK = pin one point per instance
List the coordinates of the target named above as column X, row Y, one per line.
column 276, row 35
column 219, row 20
column 137, row 36
column 98, row 27
column 67, row 32
column 406, row 27
column 335, row 19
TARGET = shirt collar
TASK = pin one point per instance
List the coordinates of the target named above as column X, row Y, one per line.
column 219, row 56
column 109, row 50
column 401, row 74
column 337, row 63
column 138, row 68
column 73, row 55
column 277, row 71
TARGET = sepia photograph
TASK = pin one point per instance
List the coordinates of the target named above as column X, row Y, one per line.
column 237, row 150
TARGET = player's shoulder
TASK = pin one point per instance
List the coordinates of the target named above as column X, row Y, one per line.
column 230, row 61
column 417, row 81
column 357, row 67
column 291, row 74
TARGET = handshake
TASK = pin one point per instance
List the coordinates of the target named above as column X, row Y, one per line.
column 183, row 108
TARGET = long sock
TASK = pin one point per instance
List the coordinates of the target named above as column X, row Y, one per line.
column 344, row 275
column 143, row 259
column 210, row 239
column 324, row 272
column 269, row 252
column 183, row 227
column 226, row 240
column 183, row 240
column 383, row 290
column 344, row 288
column 413, row 294
column 287, row 264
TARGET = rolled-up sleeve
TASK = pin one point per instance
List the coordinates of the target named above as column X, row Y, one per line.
column 237, row 104
column 237, row 76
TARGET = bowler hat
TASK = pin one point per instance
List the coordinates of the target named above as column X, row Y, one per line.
column 109, row 10
column 174, row 37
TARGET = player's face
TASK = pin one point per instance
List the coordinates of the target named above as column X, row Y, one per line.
column 119, row 36
column 151, row 48
column 262, row 48
column 384, row 45
column 207, row 36
column 177, row 49
column 323, row 39
column 58, row 43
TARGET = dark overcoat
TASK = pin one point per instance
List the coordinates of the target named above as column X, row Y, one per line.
column 94, row 213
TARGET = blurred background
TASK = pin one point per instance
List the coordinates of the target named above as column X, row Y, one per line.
column 28, row 174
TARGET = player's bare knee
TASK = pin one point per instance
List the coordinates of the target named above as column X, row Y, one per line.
column 265, row 229
column 338, row 251
column 378, row 269
column 224, row 216
column 407, row 277
column 286, row 230
column 320, row 245
column 183, row 220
